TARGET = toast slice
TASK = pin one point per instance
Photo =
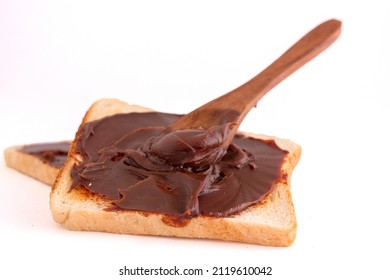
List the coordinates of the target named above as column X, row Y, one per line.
column 271, row 222
column 40, row 161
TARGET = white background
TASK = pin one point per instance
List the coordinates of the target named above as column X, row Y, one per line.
column 57, row 57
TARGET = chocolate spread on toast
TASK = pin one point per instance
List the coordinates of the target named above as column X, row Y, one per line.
column 54, row 153
column 134, row 161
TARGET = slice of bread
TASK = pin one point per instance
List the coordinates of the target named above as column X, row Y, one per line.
column 30, row 165
column 271, row 222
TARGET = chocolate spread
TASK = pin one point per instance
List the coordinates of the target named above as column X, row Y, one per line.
column 134, row 161
column 54, row 153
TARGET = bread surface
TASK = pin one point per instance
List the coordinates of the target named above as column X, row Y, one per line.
column 271, row 222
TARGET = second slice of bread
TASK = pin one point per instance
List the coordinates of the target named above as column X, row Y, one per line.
column 30, row 165
column 270, row 222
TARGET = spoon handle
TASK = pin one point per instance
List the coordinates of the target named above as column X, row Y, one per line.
column 244, row 98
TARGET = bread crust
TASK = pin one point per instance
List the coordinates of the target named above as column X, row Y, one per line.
column 271, row 222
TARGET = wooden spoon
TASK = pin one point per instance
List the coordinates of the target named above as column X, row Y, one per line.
column 234, row 106
column 202, row 137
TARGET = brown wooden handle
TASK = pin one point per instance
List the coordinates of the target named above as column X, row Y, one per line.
column 309, row 46
column 245, row 97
